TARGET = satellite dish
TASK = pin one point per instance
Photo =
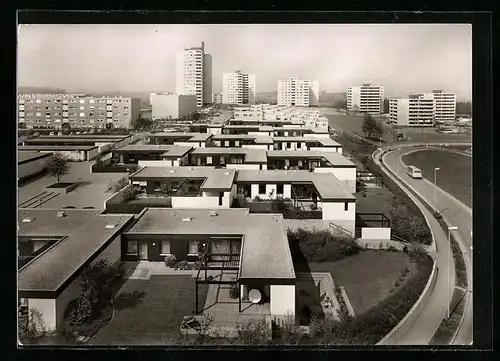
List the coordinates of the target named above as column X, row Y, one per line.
column 254, row 296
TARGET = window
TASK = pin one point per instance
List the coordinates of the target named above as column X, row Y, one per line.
column 82, row 101
column 193, row 248
column 346, row 206
column 279, row 189
column 165, row 248
column 82, row 114
column 82, row 108
column 38, row 101
column 132, row 247
column 262, row 188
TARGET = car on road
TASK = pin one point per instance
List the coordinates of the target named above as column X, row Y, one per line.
column 414, row 172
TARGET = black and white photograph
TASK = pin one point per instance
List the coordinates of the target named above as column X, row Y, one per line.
column 244, row 184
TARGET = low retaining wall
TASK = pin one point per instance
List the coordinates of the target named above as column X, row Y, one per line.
column 405, row 324
column 382, row 233
column 347, row 301
column 118, row 197
column 65, row 190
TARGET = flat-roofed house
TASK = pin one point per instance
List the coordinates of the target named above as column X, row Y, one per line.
column 337, row 204
column 195, row 140
column 243, row 140
column 256, row 245
column 189, row 187
column 55, row 246
column 76, row 153
column 306, row 143
column 231, row 158
column 30, row 164
column 319, row 162
column 153, row 155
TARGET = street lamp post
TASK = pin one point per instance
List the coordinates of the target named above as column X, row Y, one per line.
column 450, row 228
column 435, row 201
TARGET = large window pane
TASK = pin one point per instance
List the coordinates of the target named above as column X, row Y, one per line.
column 165, row 247
column 132, row 247
column 193, row 247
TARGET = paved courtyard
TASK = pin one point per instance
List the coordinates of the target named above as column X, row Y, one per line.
column 91, row 191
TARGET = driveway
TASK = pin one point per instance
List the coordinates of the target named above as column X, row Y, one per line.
column 150, row 311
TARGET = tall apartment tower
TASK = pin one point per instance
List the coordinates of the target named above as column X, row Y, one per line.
column 238, row 88
column 194, row 74
column 445, row 106
column 416, row 110
column 367, row 99
column 296, row 92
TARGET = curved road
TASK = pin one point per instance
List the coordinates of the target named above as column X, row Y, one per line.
column 454, row 213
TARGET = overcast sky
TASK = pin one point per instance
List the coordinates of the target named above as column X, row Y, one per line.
column 140, row 58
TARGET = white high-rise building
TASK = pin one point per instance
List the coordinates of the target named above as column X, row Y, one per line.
column 416, row 110
column 445, row 106
column 423, row 109
column 238, row 88
column 367, row 99
column 194, row 74
column 296, row 92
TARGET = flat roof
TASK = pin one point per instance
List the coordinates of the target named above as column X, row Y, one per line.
column 327, row 185
column 193, row 136
column 28, row 156
column 336, row 159
column 165, row 150
column 308, row 130
column 60, row 140
column 251, row 155
column 262, row 128
column 327, row 142
column 258, row 139
column 85, row 234
column 80, row 136
column 55, row 148
column 215, row 179
column 265, row 251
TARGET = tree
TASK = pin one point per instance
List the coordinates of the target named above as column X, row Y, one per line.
column 142, row 123
column 58, row 166
column 371, row 128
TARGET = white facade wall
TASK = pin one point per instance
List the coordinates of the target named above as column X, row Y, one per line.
column 366, row 99
column 336, row 211
column 214, row 130
column 165, row 106
column 269, row 188
column 195, row 202
column 243, row 166
column 158, row 163
column 398, row 110
column 326, row 149
column 296, row 92
column 72, row 155
column 376, row 233
column 105, row 147
column 257, row 146
column 190, row 73
column 33, row 167
column 282, row 299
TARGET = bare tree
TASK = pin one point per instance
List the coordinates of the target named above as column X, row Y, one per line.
column 58, row 166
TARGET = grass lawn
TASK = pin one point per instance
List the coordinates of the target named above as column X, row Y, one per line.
column 368, row 276
column 455, row 175
column 149, row 312
column 377, row 200
column 448, row 327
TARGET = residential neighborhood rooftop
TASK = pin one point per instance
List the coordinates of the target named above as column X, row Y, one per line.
column 27, row 156
column 168, row 150
column 327, row 185
column 265, row 251
column 85, row 232
column 193, row 136
column 215, row 179
column 56, row 148
column 336, row 159
column 251, row 155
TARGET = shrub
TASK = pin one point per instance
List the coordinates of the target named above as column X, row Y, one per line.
column 278, row 204
column 120, row 184
column 256, row 199
column 254, row 332
column 170, row 261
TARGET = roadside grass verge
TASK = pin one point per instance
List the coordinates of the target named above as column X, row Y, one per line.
column 449, row 326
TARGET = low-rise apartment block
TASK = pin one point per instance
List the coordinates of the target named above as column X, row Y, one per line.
column 78, row 110
column 416, row 110
column 445, row 106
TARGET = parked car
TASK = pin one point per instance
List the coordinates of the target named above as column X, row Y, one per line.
column 69, row 207
column 88, row 207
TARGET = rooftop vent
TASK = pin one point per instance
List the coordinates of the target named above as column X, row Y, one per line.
column 172, row 171
column 61, row 214
column 213, row 213
column 110, row 226
column 28, row 219
column 227, row 173
column 187, row 219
